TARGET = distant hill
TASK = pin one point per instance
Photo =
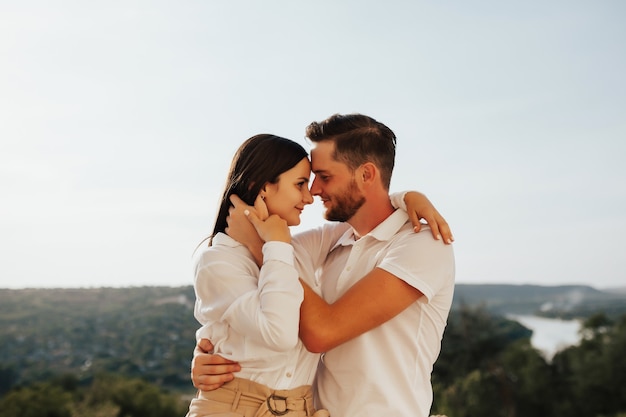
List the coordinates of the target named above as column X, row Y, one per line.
column 555, row 301
column 616, row 290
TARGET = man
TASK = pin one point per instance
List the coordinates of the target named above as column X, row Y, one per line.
column 386, row 290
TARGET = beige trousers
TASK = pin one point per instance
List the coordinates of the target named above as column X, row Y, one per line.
column 245, row 398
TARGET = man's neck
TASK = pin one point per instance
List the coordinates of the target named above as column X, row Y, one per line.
column 371, row 214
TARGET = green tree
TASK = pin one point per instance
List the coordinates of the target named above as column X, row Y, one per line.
column 477, row 393
column 529, row 380
column 40, row 400
column 514, row 383
column 8, row 377
column 473, row 337
column 82, row 409
column 591, row 377
column 475, row 372
column 137, row 398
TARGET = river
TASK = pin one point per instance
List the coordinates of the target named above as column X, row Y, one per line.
column 550, row 335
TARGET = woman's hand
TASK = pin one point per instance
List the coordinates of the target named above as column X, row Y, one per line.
column 274, row 228
column 419, row 207
column 246, row 224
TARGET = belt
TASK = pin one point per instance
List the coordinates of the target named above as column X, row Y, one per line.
column 245, row 393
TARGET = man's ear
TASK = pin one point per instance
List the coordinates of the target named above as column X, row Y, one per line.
column 368, row 172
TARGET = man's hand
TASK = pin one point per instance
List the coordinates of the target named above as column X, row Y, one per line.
column 419, row 207
column 209, row 371
column 240, row 229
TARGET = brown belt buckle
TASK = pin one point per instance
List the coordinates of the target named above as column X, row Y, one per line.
column 272, row 410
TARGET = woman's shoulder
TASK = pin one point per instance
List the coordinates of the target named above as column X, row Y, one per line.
column 223, row 250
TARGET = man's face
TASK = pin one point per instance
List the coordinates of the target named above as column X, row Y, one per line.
column 335, row 184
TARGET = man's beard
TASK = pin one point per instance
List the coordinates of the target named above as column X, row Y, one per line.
column 346, row 204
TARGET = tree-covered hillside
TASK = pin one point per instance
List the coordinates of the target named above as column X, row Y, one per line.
column 147, row 332
column 110, row 352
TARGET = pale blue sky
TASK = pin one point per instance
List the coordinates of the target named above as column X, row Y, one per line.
column 118, row 120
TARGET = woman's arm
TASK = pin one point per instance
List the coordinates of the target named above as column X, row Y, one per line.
column 419, row 207
column 263, row 308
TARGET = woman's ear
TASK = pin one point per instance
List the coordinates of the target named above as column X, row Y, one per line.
column 263, row 192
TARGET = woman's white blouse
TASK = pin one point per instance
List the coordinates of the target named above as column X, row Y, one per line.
column 251, row 315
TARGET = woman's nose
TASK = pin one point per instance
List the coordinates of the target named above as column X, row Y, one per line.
column 307, row 198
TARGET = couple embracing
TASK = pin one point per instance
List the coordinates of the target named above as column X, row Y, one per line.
column 342, row 320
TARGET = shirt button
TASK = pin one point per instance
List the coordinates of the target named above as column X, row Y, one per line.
column 288, row 374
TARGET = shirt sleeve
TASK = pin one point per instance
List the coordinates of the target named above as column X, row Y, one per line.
column 397, row 200
column 271, row 312
column 421, row 261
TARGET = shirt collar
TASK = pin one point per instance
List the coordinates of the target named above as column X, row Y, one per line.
column 383, row 232
column 224, row 240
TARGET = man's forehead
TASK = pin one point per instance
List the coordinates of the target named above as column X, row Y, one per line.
column 322, row 151
column 323, row 162
column 321, row 157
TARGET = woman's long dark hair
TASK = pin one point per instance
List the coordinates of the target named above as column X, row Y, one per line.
column 258, row 161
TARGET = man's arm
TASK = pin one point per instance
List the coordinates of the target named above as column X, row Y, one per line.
column 209, row 371
column 322, row 326
column 377, row 297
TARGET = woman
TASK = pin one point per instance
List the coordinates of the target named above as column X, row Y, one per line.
column 251, row 313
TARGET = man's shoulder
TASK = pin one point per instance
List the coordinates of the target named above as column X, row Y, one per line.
column 407, row 230
column 422, row 239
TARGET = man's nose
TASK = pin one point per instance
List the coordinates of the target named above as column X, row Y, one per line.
column 315, row 188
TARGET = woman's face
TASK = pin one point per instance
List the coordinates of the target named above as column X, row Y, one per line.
column 290, row 194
